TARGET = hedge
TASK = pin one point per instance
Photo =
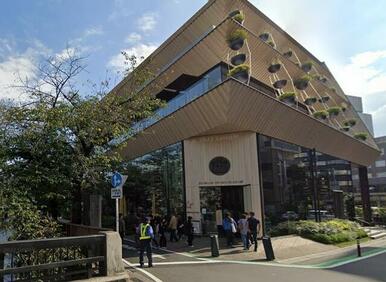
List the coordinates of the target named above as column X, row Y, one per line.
column 327, row 232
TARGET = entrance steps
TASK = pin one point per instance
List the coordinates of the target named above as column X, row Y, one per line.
column 375, row 232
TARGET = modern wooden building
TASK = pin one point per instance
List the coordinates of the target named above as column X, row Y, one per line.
column 245, row 104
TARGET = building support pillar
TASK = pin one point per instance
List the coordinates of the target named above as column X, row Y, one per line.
column 365, row 193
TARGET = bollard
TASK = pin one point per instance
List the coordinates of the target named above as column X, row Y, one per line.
column 214, row 245
column 268, row 248
column 359, row 248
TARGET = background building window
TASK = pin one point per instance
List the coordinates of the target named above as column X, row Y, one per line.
column 381, row 163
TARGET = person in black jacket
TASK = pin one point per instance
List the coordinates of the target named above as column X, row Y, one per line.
column 189, row 230
column 254, row 228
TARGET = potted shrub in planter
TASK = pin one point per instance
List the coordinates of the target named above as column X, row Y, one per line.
column 288, row 97
column 302, row 83
column 274, row 67
column 288, row 54
column 271, row 43
column 238, row 59
column 240, row 72
column 322, row 78
column 238, row 16
column 343, row 106
column 333, row 89
column 324, row 99
column 322, row 115
column 280, row 83
column 236, row 39
column 307, row 66
column 265, row 36
column 350, row 122
column 361, row 136
column 345, row 128
column 310, row 101
column 334, row 111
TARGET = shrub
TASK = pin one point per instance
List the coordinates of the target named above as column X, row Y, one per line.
column 237, row 34
column 320, row 114
column 334, row 110
column 239, row 17
column 287, row 95
column 350, row 122
column 327, row 232
column 239, row 68
column 361, row 136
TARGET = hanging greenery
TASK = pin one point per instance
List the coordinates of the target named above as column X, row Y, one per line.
column 350, row 122
column 320, row 114
column 334, row 111
column 361, row 136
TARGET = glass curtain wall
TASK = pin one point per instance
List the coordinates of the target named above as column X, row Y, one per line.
column 155, row 183
column 289, row 191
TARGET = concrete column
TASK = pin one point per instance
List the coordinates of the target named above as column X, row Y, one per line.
column 114, row 264
column 95, row 212
column 365, row 193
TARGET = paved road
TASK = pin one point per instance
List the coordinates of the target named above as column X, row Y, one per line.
column 369, row 269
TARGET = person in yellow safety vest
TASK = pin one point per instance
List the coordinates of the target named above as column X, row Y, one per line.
column 146, row 234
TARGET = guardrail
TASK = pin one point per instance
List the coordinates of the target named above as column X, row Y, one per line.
column 56, row 259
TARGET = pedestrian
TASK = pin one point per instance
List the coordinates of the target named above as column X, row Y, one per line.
column 219, row 219
column 189, row 230
column 244, row 229
column 162, row 229
column 122, row 226
column 153, row 224
column 180, row 227
column 146, row 235
column 229, row 226
column 173, row 228
column 254, row 228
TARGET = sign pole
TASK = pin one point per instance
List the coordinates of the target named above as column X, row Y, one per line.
column 117, row 215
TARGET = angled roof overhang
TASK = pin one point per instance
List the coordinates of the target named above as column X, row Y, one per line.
column 233, row 107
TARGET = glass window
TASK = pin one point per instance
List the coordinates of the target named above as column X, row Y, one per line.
column 382, row 151
column 381, row 174
column 381, row 163
column 155, row 183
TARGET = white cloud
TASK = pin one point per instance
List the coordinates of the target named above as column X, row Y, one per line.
column 364, row 75
column 147, row 22
column 23, row 65
column 93, row 31
column 133, row 38
column 117, row 62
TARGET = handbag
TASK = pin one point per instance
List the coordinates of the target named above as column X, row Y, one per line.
column 234, row 230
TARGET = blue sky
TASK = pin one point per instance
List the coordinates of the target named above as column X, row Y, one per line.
column 348, row 35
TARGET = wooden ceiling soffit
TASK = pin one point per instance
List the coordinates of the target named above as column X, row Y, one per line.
column 233, row 106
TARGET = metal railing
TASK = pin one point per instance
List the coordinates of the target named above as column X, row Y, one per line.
column 56, row 259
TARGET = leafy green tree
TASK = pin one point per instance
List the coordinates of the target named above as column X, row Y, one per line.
column 59, row 143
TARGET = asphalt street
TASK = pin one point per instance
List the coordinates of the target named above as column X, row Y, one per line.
column 179, row 267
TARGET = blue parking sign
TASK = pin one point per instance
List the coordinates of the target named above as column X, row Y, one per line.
column 116, row 179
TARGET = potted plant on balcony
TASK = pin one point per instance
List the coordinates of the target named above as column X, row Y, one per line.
column 280, row 83
column 238, row 16
column 288, row 54
column 345, row 128
column 322, row 115
column 324, row 99
column 307, row 66
column 236, row 39
column 271, row 43
column 310, row 101
column 344, row 106
column 322, row 78
column 274, row 67
column 240, row 72
column 333, row 89
column 350, row 122
column 302, row 83
column 238, row 59
column 334, row 111
column 361, row 136
column 265, row 36
column 288, row 98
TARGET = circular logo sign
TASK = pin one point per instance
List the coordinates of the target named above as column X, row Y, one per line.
column 219, row 165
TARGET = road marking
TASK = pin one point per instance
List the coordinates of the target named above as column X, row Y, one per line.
column 318, row 266
column 148, row 274
column 135, row 249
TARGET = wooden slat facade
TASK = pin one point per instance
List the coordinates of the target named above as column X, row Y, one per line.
column 214, row 113
column 235, row 107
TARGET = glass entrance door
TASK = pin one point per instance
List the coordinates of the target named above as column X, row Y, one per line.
column 215, row 202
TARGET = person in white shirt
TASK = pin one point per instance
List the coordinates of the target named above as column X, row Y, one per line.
column 244, row 229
